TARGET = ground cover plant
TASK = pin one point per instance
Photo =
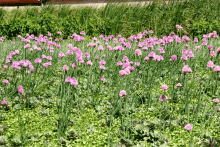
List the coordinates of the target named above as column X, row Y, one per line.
column 110, row 91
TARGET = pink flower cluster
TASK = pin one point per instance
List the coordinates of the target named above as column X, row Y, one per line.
column 4, row 102
column 16, row 64
column 20, row 89
column 179, row 27
column 78, row 38
column 72, row 81
column 186, row 69
column 188, row 127
column 163, row 98
column 122, row 93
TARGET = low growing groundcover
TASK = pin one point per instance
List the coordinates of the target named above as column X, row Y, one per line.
column 110, row 91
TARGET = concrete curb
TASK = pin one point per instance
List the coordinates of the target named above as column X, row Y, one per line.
column 98, row 5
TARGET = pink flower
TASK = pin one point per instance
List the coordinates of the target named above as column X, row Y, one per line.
column 196, row 40
column 126, row 64
column 12, row 53
column 179, row 27
column 9, row 57
column 102, row 67
column 151, row 32
column 131, row 68
column 5, row 81
column 65, row 67
column 140, row 72
column 122, row 72
column 86, row 55
column 45, row 64
column 151, row 54
column 100, row 48
column 20, row 89
column 38, row 60
column 122, row 93
column 26, row 46
column 186, row 45
column 127, row 71
column 74, row 65
column 190, row 55
column 44, row 56
column 49, row 63
column 185, row 51
column 125, row 58
column 173, row 58
column 103, row 79
column 163, row 98
column 73, row 81
column 197, row 48
column 210, row 47
column 164, row 87
column 102, row 62
column 4, row 102
column 5, row 66
column 81, row 61
column 184, row 57
column 212, row 53
column 217, row 69
column 17, row 52
column 68, row 79
column 188, row 127
column 83, row 33
column 218, row 50
column 145, row 48
column 119, row 63
column 178, row 85
column 210, row 64
column 162, row 51
column 157, row 58
column 216, row 100
column 59, row 32
column 70, row 52
column 96, row 57
column 89, row 63
column 138, row 52
column 137, row 64
column 186, row 69
column 146, row 59
column 103, row 56
column 61, row 55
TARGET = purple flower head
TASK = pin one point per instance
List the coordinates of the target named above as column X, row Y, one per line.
column 163, row 98
column 61, row 55
column 38, row 60
column 4, row 102
column 216, row 100
column 103, row 79
column 86, row 55
column 173, row 58
column 188, row 127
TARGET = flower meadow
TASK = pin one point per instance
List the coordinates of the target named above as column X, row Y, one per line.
column 110, row 91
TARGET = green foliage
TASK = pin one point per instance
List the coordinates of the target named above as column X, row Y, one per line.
column 203, row 26
column 3, row 140
column 16, row 141
column 113, row 19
